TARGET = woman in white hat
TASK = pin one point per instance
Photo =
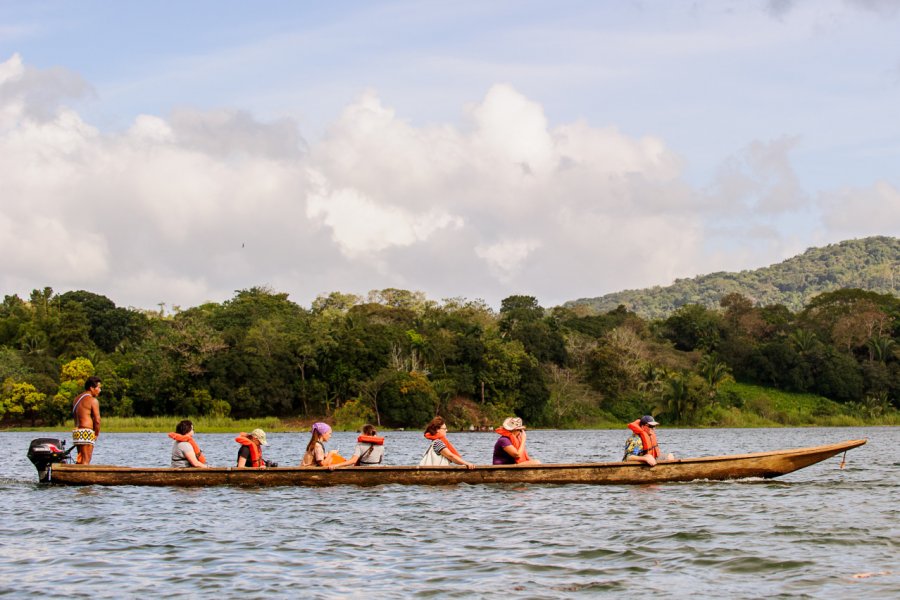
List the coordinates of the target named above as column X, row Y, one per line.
column 510, row 448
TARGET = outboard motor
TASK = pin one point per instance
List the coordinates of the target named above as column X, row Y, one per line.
column 43, row 452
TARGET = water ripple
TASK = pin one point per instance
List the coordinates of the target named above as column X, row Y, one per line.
column 806, row 535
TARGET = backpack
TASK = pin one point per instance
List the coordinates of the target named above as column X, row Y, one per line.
column 632, row 443
column 433, row 459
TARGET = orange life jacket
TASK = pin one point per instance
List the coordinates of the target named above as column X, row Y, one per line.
column 516, row 442
column 648, row 439
column 189, row 438
column 256, row 459
column 443, row 438
column 370, row 439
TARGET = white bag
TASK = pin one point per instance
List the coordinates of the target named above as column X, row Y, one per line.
column 432, row 458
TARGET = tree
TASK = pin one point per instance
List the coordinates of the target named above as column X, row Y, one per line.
column 880, row 348
column 693, row 327
column 685, row 398
column 20, row 399
column 109, row 326
column 522, row 319
column 849, row 317
column 77, row 370
column 12, row 365
column 407, row 400
column 804, row 340
column 370, row 390
column 13, row 314
column 714, row 371
column 501, row 370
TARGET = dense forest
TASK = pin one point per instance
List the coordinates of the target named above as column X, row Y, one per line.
column 871, row 264
column 396, row 358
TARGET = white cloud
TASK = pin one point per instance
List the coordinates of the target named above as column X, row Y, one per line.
column 35, row 93
column 52, row 248
column 192, row 206
column 759, row 178
column 506, row 258
column 857, row 212
column 361, row 226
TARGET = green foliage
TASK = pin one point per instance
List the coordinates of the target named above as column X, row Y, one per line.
column 58, row 407
column 19, row 399
column 12, row 365
column 207, row 424
column 754, row 406
column 353, row 414
column 201, row 403
column 108, row 326
column 694, row 327
column 522, row 319
column 397, row 359
column 685, row 399
column 77, row 370
column 867, row 264
column 408, row 400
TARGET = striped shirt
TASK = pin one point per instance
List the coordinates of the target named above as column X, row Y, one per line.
column 438, row 446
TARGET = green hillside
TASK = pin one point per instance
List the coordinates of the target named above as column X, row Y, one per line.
column 871, row 264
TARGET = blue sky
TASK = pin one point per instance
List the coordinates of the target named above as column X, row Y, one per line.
column 475, row 149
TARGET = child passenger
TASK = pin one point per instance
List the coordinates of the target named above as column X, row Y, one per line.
column 315, row 451
column 369, row 450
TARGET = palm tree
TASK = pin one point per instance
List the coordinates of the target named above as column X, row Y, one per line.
column 713, row 370
column 805, row 340
column 677, row 402
column 880, row 348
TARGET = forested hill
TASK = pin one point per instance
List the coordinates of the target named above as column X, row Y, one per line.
column 871, row 264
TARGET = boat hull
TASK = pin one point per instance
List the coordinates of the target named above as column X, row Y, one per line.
column 715, row 468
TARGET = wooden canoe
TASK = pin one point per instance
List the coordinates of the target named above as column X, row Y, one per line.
column 714, row 468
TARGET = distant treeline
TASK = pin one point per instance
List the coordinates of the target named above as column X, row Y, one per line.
column 871, row 264
column 396, row 358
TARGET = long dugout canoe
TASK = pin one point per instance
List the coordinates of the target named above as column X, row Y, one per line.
column 714, row 468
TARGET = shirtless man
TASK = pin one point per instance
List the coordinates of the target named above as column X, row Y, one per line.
column 86, row 411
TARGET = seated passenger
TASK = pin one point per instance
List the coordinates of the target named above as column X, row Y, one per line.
column 369, row 450
column 315, row 455
column 510, row 448
column 441, row 451
column 185, row 451
column 250, row 453
column 642, row 445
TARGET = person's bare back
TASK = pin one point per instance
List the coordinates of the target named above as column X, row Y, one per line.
column 86, row 413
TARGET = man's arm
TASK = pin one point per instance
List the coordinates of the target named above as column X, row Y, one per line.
column 95, row 416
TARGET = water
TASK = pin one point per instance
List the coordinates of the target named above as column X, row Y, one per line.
column 821, row 532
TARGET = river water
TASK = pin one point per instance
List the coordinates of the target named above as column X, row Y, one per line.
column 821, row 532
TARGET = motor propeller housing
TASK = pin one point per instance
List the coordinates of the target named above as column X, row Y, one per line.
column 43, row 452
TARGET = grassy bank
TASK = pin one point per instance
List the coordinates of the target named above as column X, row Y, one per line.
column 166, row 424
column 740, row 406
column 757, row 406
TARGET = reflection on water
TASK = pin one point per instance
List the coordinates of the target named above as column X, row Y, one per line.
column 820, row 532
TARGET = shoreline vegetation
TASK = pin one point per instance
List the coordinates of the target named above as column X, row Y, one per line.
column 395, row 359
column 750, row 407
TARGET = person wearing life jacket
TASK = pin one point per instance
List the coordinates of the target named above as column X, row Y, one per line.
column 250, row 452
column 185, row 451
column 369, row 450
column 642, row 445
column 315, row 455
column 510, row 447
column 441, row 451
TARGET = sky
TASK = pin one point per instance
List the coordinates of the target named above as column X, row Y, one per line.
column 172, row 153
